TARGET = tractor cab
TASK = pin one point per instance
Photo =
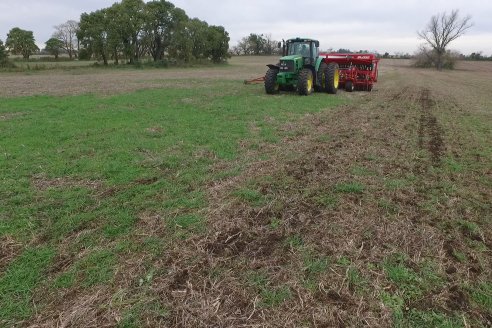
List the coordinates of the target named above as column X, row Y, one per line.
column 306, row 48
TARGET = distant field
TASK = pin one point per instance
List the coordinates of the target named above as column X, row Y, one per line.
column 184, row 198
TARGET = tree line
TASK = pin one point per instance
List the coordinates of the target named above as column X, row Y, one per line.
column 256, row 44
column 130, row 30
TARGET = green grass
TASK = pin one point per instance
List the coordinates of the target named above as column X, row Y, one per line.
column 249, row 195
column 350, row 188
column 388, row 206
column 326, row 200
column 417, row 319
column 133, row 318
column 275, row 296
column 411, row 283
column 412, row 318
column 275, row 223
column 88, row 166
column 270, row 295
column 362, row 171
column 19, row 281
column 99, row 192
column 355, row 280
column 314, row 265
column 294, row 241
column 482, row 295
column 395, row 184
column 469, row 228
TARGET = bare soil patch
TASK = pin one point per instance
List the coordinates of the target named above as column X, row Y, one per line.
column 116, row 81
column 9, row 249
column 10, row 116
column 43, row 183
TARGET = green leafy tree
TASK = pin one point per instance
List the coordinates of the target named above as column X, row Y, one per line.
column 166, row 30
column 196, row 39
column 133, row 29
column 54, row 47
column 181, row 45
column 218, row 41
column 199, row 35
column 161, row 19
column 93, row 33
column 129, row 15
column 21, row 42
column 115, row 32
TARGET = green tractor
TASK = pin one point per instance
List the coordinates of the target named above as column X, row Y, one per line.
column 302, row 69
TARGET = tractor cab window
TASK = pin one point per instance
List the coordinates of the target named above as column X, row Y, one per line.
column 299, row 48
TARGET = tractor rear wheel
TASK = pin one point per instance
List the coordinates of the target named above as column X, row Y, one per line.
column 321, row 77
column 332, row 77
column 271, row 85
column 349, row 86
column 305, row 84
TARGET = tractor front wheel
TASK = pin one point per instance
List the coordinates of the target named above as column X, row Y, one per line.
column 305, row 84
column 332, row 77
column 271, row 85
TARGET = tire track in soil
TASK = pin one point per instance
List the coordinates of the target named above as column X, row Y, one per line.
column 430, row 133
column 402, row 93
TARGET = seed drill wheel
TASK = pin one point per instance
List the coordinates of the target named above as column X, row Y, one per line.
column 271, row 85
column 305, row 84
column 349, row 86
column 332, row 77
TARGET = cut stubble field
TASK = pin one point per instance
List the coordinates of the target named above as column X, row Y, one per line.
column 183, row 198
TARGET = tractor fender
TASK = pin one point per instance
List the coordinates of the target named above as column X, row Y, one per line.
column 319, row 60
column 273, row 66
column 312, row 68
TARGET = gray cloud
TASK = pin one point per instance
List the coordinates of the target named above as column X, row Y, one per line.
column 381, row 25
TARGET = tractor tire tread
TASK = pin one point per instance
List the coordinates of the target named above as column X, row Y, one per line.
column 304, row 75
column 320, row 76
column 271, row 86
column 330, row 72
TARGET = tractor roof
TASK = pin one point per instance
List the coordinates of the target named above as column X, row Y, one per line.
column 301, row 40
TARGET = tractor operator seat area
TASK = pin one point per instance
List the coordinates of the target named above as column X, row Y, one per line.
column 299, row 48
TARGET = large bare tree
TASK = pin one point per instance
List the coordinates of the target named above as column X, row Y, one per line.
column 442, row 30
column 67, row 33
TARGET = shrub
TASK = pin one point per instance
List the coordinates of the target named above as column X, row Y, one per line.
column 426, row 58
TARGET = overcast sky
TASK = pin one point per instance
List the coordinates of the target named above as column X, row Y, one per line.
column 382, row 25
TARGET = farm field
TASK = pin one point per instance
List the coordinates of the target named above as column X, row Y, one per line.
column 184, row 198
